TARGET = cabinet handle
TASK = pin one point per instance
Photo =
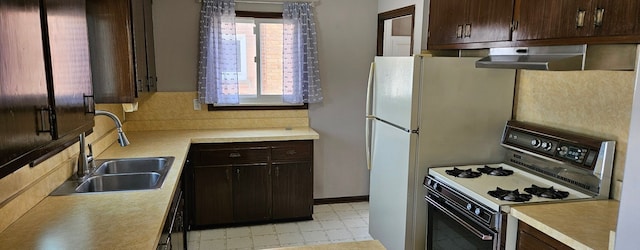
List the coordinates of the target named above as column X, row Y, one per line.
column 598, row 17
column 235, row 155
column 459, row 31
column 580, row 18
column 44, row 119
column 89, row 104
column 292, row 152
column 238, row 173
column 277, row 171
column 467, row 30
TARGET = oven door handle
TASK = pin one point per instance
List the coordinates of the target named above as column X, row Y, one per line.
column 461, row 221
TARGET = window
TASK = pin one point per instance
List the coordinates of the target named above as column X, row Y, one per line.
column 259, row 39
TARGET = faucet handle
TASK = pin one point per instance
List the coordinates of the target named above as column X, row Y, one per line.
column 90, row 149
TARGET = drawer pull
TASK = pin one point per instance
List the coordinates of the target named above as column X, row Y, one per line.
column 235, row 155
column 459, row 31
column 291, row 152
column 599, row 16
column 580, row 18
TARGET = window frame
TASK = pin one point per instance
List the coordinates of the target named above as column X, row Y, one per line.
column 212, row 107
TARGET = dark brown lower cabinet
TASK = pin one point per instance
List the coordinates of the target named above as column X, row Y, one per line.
column 251, row 193
column 292, row 190
column 533, row 239
column 213, row 196
column 233, row 183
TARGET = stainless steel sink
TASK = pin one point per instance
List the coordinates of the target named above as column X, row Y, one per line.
column 120, row 182
column 120, row 175
column 133, row 165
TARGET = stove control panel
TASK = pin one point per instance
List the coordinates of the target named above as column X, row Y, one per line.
column 553, row 146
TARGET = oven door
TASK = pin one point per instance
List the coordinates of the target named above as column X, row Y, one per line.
column 449, row 228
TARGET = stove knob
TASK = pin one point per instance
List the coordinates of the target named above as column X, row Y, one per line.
column 469, row 207
column 429, row 182
column 478, row 211
column 563, row 150
column 546, row 146
column 535, row 143
column 437, row 187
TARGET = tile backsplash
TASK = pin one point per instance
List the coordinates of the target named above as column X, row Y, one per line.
column 174, row 110
column 596, row 103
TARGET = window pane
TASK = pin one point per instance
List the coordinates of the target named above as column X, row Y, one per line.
column 248, row 76
column 271, row 58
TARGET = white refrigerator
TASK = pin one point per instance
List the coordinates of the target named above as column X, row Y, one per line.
column 422, row 112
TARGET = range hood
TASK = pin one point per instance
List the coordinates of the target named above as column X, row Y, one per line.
column 569, row 57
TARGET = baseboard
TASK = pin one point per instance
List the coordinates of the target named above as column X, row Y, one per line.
column 340, row 200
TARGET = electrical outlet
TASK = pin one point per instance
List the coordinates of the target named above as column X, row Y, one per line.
column 196, row 104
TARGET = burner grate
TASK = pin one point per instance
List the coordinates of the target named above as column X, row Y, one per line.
column 549, row 192
column 509, row 195
column 499, row 171
column 466, row 173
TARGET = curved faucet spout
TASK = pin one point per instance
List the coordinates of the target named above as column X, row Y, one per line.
column 122, row 138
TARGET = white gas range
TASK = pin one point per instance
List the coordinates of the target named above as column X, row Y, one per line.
column 468, row 205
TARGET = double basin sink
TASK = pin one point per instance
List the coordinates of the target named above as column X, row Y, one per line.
column 121, row 175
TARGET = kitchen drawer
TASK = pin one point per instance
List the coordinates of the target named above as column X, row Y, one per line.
column 231, row 155
column 292, row 151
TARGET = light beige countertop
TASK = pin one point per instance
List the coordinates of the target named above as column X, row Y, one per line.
column 580, row 225
column 128, row 219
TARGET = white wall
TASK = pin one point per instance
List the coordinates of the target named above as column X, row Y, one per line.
column 347, row 44
column 628, row 215
column 421, row 19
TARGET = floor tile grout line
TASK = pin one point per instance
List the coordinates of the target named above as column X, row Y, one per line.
column 300, row 228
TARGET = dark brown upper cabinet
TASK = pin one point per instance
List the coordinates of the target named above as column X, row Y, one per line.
column 558, row 19
column 23, row 83
column 122, row 51
column 467, row 24
column 469, row 21
column 45, row 79
column 70, row 84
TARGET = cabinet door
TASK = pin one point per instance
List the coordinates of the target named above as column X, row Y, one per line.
column 139, row 46
column 446, row 21
column 530, row 238
column 23, row 85
column 152, row 77
column 71, row 91
column 213, row 195
column 251, row 193
column 111, row 48
column 619, row 17
column 490, row 21
column 546, row 19
column 292, row 190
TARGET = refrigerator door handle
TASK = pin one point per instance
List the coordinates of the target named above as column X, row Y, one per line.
column 369, row 115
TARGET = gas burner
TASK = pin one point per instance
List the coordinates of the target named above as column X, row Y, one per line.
column 550, row 192
column 499, row 171
column 468, row 173
column 509, row 195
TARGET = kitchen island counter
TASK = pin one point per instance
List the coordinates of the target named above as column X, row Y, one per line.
column 127, row 219
column 580, row 225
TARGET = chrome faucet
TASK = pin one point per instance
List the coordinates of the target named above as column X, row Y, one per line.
column 85, row 161
column 122, row 138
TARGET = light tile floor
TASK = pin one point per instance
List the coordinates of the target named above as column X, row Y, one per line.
column 332, row 223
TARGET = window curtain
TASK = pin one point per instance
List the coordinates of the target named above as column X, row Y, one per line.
column 301, row 76
column 218, row 64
